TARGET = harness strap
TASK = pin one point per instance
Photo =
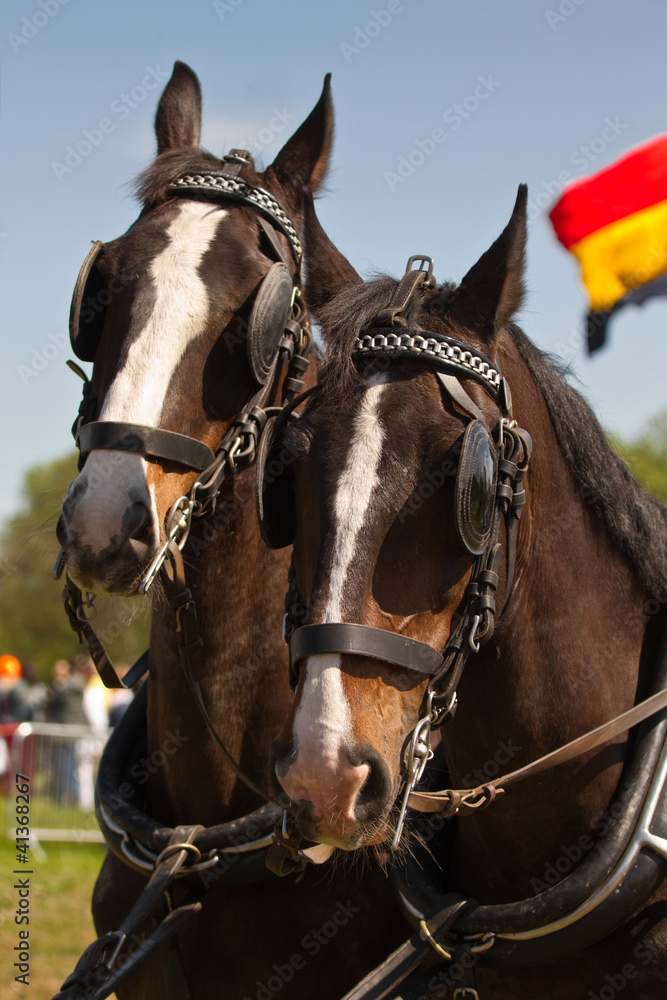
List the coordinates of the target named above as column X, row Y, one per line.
column 145, row 440
column 404, row 291
column 75, row 605
column 382, row 980
column 93, row 978
column 364, row 640
column 272, row 237
column 453, row 388
column 449, row 802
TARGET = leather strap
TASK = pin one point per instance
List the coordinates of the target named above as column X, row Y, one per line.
column 405, row 289
column 455, row 390
column 383, row 979
column 75, row 609
column 272, row 237
column 363, row 640
column 145, row 440
column 92, row 977
column 464, row 801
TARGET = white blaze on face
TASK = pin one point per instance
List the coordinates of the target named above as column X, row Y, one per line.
column 322, row 723
column 179, row 313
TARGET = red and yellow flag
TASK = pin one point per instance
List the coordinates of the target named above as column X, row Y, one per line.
column 615, row 224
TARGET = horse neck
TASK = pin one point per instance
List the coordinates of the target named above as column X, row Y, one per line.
column 565, row 658
column 238, row 586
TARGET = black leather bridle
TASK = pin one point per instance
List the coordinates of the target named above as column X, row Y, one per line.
column 390, row 338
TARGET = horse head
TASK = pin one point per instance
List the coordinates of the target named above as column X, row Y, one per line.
column 389, row 495
column 182, row 317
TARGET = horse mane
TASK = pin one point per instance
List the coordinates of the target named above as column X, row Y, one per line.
column 635, row 520
column 151, row 185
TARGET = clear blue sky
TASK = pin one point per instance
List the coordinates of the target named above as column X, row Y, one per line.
column 537, row 84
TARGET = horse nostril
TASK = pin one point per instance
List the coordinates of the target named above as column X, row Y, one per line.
column 137, row 523
column 377, row 789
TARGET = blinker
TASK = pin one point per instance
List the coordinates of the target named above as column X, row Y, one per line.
column 85, row 322
column 475, row 488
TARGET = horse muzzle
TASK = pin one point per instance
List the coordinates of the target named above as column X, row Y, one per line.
column 344, row 802
column 109, row 537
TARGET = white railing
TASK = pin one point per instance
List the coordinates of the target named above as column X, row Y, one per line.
column 60, row 763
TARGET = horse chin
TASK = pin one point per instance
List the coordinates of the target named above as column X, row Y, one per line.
column 118, row 575
column 341, row 833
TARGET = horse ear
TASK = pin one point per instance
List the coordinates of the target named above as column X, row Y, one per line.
column 303, row 161
column 178, row 116
column 327, row 271
column 492, row 291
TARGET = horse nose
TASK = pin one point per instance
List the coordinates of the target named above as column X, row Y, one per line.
column 332, row 790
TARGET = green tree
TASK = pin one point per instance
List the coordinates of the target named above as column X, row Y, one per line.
column 33, row 623
column 647, row 455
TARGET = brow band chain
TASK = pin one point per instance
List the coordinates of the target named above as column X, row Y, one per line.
column 232, row 187
column 442, row 350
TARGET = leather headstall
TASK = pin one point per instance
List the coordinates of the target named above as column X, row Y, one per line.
column 489, row 487
column 278, row 333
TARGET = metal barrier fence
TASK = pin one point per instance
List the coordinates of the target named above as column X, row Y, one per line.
column 61, row 764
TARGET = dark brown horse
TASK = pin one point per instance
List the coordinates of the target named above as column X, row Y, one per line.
column 404, row 500
column 171, row 351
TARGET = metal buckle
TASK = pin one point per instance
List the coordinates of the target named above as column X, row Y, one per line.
column 177, row 526
column 174, row 849
column 237, row 156
column 420, row 754
column 430, row 280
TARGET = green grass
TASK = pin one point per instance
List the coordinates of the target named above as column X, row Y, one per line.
column 60, row 922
